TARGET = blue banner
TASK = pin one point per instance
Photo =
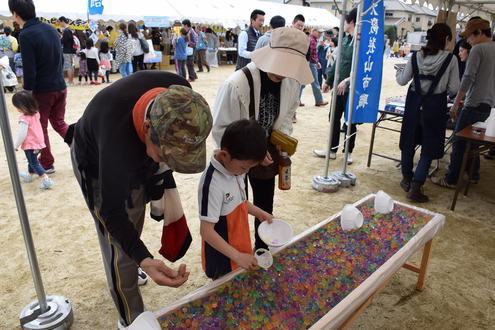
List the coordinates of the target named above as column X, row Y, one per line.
column 370, row 63
column 95, row 7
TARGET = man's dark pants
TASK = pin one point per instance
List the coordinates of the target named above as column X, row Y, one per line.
column 467, row 116
column 52, row 108
column 190, row 67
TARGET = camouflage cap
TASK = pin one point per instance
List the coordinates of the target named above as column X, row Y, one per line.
column 180, row 123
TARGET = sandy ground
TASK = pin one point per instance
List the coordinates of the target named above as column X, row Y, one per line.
column 460, row 288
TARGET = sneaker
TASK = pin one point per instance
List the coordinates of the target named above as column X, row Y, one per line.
column 50, row 170
column 320, row 153
column 142, row 277
column 349, row 159
column 333, row 155
column 46, row 183
column 439, row 181
column 26, row 177
column 321, row 104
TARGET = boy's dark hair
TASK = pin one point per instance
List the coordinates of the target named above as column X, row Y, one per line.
column 298, row 17
column 183, row 31
column 64, row 19
column 245, row 140
column 25, row 101
column 277, row 21
column 104, row 47
column 89, row 43
column 109, row 28
column 464, row 44
column 351, row 17
column 436, row 39
column 7, row 30
column 336, row 28
column 186, row 22
column 24, row 8
column 82, row 55
column 255, row 13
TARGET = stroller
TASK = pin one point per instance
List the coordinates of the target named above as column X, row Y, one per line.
column 9, row 79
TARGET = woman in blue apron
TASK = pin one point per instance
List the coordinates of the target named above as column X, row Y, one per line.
column 434, row 72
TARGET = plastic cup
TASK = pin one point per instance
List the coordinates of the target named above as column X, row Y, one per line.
column 351, row 218
column 264, row 257
column 383, row 202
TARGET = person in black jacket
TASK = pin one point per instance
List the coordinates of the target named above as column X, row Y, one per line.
column 42, row 66
column 126, row 130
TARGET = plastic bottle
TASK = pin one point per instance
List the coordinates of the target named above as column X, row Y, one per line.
column 284, row 171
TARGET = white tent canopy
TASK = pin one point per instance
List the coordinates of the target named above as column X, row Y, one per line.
column 483, row 8
column 228, row 13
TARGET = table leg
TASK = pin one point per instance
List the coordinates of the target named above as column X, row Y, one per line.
column 372, row 142
column 470, row 172
column 461, row 175
column 424, row 266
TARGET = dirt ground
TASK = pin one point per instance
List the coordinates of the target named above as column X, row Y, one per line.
column 460, row 287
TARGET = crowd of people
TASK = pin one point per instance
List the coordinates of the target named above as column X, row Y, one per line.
column 162, row 126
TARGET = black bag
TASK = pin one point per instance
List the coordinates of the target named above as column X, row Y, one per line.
column 144, row 45
column 260, row 171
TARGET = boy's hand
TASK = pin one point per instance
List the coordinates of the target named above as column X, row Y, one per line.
column 265, row 216
column 245, row 260
column 268, row 160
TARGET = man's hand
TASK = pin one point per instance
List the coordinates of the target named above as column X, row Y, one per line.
column 325, row 88
column 342, row 87
column 163, row 275
column 268, row 160
column 246, row 260
column 454, row 111
column 318, row 65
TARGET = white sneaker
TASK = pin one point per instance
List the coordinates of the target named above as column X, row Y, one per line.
column 142, row 277
column 26, row 177
column 46, row 183
column 349, row 159
column 323, row 153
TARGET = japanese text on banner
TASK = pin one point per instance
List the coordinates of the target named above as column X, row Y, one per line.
column 370, row 63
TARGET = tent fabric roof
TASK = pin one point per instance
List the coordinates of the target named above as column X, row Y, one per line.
column 228, row 13
column 483, row 8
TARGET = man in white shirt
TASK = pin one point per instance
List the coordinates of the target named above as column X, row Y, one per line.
column 248, row 38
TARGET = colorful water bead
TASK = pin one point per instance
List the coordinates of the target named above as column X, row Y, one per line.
column 307, row 279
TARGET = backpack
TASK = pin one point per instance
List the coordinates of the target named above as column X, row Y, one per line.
column 76, row 44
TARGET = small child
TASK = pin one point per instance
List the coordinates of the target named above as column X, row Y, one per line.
column 93, row 61
column 222, row 200
column 180, row 55
column 105, row 59
column 30, row 137
column 83, row 68
column 19, row 72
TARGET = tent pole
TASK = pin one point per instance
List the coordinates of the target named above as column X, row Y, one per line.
column 333, row 103
column 352, row 92
column 47, row 312
column 21, row 206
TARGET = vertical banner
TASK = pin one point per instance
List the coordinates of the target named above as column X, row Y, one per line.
column 95, row 7
column 370, row 63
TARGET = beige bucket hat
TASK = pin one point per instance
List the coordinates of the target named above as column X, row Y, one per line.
column 285, row 55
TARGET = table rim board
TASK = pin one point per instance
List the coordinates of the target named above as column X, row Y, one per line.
column 482, row 144
column 341, row 316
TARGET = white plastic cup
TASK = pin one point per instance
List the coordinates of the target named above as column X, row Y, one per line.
column 383, row 202
column 351, row 218
column 264, row 257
